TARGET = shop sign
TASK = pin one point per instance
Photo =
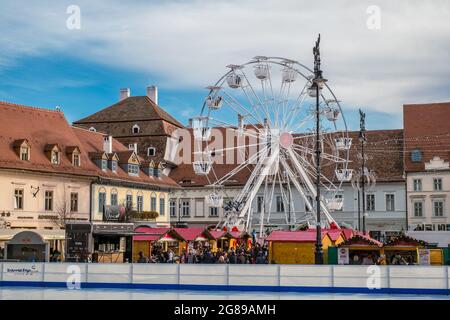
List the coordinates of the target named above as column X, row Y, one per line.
column 113, row 213
column 424, row 256
column 343, row 256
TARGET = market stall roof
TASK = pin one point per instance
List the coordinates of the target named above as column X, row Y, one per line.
column 333, row 233
column 348, row 233
column 294, row 236
column 155, row 234
column 217, row 234
column 191, row 234
column 361, row 240
column 405, row 241
column 239, row 234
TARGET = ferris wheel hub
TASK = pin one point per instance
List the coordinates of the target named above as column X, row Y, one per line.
column 286, row 140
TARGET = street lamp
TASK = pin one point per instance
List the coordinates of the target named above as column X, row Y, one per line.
column 314, row 91
column 362, row 139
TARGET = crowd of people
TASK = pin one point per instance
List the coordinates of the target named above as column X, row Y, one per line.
column 240, row 255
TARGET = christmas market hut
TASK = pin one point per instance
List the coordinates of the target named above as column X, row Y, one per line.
column 359, row 249
column 407, row 250
column 295, row 247
column 194, row 237
column 240, row 239
column 155, row 238
column 221, row 240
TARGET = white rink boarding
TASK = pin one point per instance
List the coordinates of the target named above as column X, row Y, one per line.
column 296, row 278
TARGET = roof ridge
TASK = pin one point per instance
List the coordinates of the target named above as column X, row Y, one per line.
column 84, row 129
column 11, row 104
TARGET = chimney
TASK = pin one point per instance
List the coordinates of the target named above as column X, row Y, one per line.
column 107, row 144
column 190, row 123
column 124, row 93
column 152, row 93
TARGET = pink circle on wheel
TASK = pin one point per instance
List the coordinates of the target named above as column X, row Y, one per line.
column 286, row 140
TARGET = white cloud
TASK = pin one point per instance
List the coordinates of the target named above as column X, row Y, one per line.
column 188, row 44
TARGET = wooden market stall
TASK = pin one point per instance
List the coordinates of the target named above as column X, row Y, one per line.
column 240, row 239
column 295, row 247
column 403, row 250
column 194, row 238
column 150, row 238
column 221, row 240
column 360, row 249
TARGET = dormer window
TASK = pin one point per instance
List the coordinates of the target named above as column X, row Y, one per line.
column 416, row 155
column 151, row 151
column 25, row 153
column 92, row 129
column 73, row 153
column 22, row 149
column 133, row 169
column 76, row 160
column 114, row 166
column 55, row 157
column 136, row 129
column 104, row 164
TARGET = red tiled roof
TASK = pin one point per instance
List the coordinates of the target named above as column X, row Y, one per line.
column 427, row 129
column 130, row 109
column 93, row 142
column 43, row 128
column 40, row 127
column 383, row 148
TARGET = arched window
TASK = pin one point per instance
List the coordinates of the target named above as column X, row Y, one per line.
column 136, row 129
column 92, row 129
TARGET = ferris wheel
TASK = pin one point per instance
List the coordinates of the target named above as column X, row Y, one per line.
column 269, row 105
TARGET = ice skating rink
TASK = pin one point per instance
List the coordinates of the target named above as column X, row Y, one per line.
column 33, row 293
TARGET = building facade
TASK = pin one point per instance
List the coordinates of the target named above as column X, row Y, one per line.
column 426, row 156
column 45, row 176
column 55, row 177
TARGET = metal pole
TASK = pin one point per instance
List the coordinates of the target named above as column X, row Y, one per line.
column 317, row 82
column 363, row 187
column 319, row 252
column 359, row 209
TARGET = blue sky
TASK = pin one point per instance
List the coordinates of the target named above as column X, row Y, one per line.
column 182, row 46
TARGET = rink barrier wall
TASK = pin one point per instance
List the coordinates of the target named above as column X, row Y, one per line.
column 288, row 278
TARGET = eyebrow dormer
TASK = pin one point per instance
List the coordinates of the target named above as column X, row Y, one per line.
column 53, row 153
column 73, row 153
column 22, row 149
